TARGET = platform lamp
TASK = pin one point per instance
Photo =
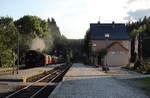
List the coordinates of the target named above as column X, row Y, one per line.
column 94, row 52
column 107, row 35
column 18, row 51
column 88, row 59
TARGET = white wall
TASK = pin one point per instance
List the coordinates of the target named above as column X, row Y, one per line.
column 117, row 59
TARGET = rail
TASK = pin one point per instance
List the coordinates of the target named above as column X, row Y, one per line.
column 48, row 78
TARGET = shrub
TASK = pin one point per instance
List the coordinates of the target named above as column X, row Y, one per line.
column 138, row 64
column 147, row 68
column 102, row 52
column 142, row 67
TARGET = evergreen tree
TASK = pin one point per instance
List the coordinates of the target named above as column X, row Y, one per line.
column 140, row 28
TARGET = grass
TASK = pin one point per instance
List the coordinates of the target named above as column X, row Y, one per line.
column 145, row 81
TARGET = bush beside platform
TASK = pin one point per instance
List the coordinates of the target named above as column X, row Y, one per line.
column 140, row 67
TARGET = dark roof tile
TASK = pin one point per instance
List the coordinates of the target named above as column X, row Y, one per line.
column 116, row 31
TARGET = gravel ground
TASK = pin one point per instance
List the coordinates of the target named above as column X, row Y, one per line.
column 134, row 84
column 87, row 82
column 6, row 88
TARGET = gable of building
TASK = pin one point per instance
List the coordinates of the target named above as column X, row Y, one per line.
column 102, row 43
column 116, row 46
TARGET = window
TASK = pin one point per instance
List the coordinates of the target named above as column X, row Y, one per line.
column 117, row 52
column 113, row 52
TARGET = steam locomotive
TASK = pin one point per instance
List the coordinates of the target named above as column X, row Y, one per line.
column 34, row 58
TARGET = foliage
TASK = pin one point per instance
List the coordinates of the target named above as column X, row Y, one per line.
column 147, row 68
column 32, row 24
column 140, row 28
column 58, row 41
column 7, row 59
column 142, row 67
column 102, row 53
column 8, row 36
column 54, row 29
column 27, row 28
column 86, row 47
column 61, row 44
column 76, row 45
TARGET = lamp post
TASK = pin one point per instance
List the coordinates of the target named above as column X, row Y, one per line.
column 89, row 52
column 94, row 52
column 18, row 51
column 107, row 35
column 13, row 54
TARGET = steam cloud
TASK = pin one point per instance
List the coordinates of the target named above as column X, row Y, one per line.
column 37, row 44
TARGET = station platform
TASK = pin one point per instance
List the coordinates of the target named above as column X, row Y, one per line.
column 24, row 74
column 10, row 82
column 84, row 81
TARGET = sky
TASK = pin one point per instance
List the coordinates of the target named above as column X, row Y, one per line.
column 74, row 16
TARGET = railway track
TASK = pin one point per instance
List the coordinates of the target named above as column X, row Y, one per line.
column 37, row 91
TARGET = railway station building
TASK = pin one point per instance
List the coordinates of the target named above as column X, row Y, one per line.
column 114, row 39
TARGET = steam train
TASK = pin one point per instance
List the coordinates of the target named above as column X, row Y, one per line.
column 34, row 58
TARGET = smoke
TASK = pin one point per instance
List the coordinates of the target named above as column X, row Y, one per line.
column 37, row 44
column 49, row 42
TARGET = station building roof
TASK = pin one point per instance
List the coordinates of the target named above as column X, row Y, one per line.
column 117, row 31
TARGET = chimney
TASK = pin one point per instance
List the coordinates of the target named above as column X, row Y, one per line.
column 113, row 24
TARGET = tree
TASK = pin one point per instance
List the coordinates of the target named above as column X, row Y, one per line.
column 60, row 42
column 102, row 53
column 32, row 24
column 87, row 47
column 87, row 42
column 141, row 30
column 8, row 36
